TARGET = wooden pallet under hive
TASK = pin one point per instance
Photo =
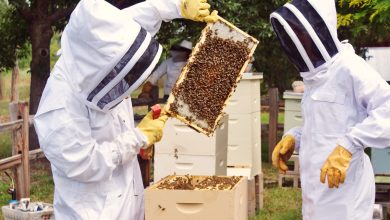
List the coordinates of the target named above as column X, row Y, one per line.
column 210, row 76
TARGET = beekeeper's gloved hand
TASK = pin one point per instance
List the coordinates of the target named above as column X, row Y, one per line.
column 153, row 128
column 336, row 167
column 282, row 152
column 198, row 10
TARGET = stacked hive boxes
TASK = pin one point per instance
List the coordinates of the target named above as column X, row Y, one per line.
column 244, row 139
column 292, row 110
column 182, row 150
column 292, row 118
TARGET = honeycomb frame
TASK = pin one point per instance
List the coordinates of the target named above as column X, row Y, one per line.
column 227, row 31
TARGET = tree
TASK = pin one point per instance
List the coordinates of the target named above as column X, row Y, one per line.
column 12, row 41
column 365, row 22
column 40, row 18
column 12, row 36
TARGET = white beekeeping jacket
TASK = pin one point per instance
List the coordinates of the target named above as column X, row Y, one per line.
column 85, row 123
column 345, row 103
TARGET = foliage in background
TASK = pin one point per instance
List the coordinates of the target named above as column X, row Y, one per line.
column 54, row 47
column 252, row 16
column 364, row 22
column 13, row 36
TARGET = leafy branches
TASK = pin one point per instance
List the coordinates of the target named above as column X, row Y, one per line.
column 252, row 16
column 366, row 22
column 13, row 37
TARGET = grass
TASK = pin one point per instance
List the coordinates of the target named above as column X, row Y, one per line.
column 42, row 185
column 265, row 117
column 279, row 203
column 23, row 86
column 5, row 144
column 4, row 110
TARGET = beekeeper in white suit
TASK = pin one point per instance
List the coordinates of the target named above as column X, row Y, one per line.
column 345, row 106
column 84, row 123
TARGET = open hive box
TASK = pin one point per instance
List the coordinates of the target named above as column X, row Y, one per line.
column 211, row 75
column 197, row 197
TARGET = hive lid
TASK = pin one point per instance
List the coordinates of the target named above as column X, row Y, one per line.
column 211, row 75
column 289, row 94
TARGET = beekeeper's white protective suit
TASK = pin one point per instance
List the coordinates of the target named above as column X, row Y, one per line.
column 92, row 146
column 345, row 103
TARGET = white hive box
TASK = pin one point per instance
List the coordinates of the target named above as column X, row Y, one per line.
column 246, row 98
column 244, row 139
column 171, row 164
column 167, row 204
column 179, row 138
column 183, row 150
column 292, row 110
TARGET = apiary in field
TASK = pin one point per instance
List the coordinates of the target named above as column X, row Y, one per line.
column 211, row 75
column 197, row 197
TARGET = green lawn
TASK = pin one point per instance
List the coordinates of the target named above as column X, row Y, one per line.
column 265, row 117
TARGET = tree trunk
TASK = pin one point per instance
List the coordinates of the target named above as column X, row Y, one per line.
column 14, row 82
column 1, row 85
column 40, row 34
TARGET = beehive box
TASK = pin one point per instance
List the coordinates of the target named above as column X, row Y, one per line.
column 197, row 197
column 244, row 141
column 210, row 76
column 179, row 139
column 182, row 150
column 168, row 164
column 292, row 110
column 246, row 98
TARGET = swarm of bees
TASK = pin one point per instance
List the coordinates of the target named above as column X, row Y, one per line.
column 210, row 78
column 189, row 182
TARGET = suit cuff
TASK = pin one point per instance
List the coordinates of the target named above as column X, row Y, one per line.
column 143, row 140
column 347, row 144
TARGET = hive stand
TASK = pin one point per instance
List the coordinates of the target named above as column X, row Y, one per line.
column 292, row 174
column 382, row 197
column 255, row 194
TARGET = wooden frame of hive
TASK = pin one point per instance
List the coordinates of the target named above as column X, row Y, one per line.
column 233, row 32
column 195, row 180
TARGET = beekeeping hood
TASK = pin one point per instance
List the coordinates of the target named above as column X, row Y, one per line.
column 106, row 54
column 307, row 31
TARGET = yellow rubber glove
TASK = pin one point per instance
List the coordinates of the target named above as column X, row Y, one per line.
column 212, row 18
column 336, row 167
column 282, row 152
column 153, row 128
column 198, row 10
